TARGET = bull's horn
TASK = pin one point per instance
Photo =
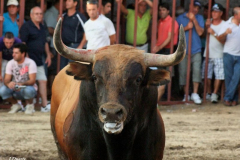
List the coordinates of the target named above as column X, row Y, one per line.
column 157, row 60
column 71, row 53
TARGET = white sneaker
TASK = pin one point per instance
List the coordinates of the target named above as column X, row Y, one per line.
column 195, row 98
column 184, row 98
column 29, row 109
column 46, row 109
column 15, row 108
column 208, row 96
column 214, row 98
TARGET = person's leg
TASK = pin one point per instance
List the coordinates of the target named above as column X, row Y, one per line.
column 228, row 62
column 196, row 71
column 161, row 90
column 196, row 77
column 233, row 86
column 42, row 82
column 4, row 64
column 28, row 94
column 43, row 91
column 11, row 96
column 182, row 68
column 144, row 47
column 219, row 74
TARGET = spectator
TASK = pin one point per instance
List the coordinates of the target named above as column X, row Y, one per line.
column 11, row 18
column 215, row 63
column 34, row 35
column 144, row 18
column 195, row 22
column 51, row 17
column 106, row 7
column 230, row 34
column 72, row 28
column 20, row 71
column 6, row 51
column 99, row 30
column 164, row 36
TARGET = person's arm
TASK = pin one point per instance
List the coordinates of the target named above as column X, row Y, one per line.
column 222, row 38
column 150, row 4
column 8, row 81
column 51, row 30
column 112, row 39
column 122, row 8
column 31, row 81
column 83, row 42
column 198, row 28
column 166, row 42
column 1, row 67
column 48, row 59
column 189, row 26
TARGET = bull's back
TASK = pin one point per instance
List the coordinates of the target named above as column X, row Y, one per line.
column 65, row 97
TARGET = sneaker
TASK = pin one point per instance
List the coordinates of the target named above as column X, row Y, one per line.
column 208, row 96
column 184, row 98
column 29, row 109
column 195, row 98
column 214, row 98
column 46, row 109
column 15, row 108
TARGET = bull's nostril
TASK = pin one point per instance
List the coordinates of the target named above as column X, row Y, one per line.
column 103, row 112
column 120, row 112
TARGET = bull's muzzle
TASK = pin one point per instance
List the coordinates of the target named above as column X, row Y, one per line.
column 112, row 115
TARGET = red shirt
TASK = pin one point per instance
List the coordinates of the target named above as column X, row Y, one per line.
column 164, row 27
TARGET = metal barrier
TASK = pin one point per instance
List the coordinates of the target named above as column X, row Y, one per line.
column 153, row 37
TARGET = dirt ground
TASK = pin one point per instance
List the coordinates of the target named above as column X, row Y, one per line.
column 206, row 132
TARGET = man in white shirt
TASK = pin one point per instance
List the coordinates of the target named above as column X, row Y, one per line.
column 215, row 63
column 99, row 30
column 20, row 72
column 230, row 34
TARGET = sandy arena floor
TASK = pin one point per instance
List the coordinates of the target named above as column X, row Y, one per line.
column 206, row 132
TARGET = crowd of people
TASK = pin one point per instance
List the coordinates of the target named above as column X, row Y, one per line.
column 28, row 58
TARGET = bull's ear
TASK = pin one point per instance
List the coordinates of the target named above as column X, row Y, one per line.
column 80, row 71
column 159, row 77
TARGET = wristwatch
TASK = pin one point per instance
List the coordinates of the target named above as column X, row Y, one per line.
column 215, row 35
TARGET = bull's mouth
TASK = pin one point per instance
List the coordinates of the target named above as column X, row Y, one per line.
column 113, row 128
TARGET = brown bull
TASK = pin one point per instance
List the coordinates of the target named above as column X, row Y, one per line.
column 106, row 108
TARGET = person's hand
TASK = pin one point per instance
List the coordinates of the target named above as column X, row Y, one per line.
column 11, row 85
column 1, row 18
column 191, row 16
column 190, row 25
column 208, row 22
column 118, row 1
column 48, row 59
column 228, row 31
column 210, row 31
column 140, row 1
column 156, row 49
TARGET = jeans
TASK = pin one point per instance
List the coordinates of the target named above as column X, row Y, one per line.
column 64, row 61
column 232, row 76
column 24, row 94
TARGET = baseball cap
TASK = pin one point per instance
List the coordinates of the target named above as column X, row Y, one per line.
column 197, row 3
column 217, row 7
column 12, row 2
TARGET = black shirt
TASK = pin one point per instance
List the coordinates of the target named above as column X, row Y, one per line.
column 72, row 28
column 35, row 39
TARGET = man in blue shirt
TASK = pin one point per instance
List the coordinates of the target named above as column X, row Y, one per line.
column 192, row 20
column 11, row 18
column 6, row 51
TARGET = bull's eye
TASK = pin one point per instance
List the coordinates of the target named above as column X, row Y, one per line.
column 94, row 77
column 139, row 80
